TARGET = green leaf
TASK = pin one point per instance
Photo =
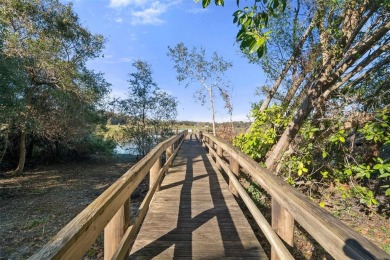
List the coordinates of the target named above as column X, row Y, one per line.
column 205, row 3
column 261, row 51
column 253, row 47
column 387, row 193
column 342, row 139
column 220, row 2
column 322, row 204
column 324, row 154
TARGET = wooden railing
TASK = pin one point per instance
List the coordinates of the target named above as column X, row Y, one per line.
column 111, row 211
column 288, row 206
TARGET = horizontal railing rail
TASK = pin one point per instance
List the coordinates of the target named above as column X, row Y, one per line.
column 289, row 205
column 111, row 211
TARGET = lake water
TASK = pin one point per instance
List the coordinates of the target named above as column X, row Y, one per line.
column 126, row 148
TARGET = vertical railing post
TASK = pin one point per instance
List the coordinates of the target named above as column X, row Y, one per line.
column 220, row 155
column 235, row 168
column 115, row 230
column 154, row 172
column 283, row 224
column 169, row 152
column 211, row 146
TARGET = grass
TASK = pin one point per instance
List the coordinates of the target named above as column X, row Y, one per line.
column 113, row 132
column 386, row 247
column 29, row 224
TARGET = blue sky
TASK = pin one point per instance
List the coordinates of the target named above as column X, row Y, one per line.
column 142, row 29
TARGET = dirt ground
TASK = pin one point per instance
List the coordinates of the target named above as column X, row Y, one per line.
column 36, row 205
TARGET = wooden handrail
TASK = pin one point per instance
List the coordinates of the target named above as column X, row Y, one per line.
column 339, row 240
column 78, row 235
column 128, row 238
column 269, row 233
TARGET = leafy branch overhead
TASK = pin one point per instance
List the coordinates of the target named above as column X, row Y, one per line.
column 253, row 22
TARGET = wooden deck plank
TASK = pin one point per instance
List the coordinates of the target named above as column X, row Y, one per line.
column 194, row 215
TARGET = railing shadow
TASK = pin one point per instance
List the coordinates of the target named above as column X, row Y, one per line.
column 182, row 236
column 357, row 247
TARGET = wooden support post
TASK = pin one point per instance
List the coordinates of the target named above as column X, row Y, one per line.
column 283, row 224
column 220, row 154
column 235, row 168
column 115, row 229
column 154, row 173
column 211, row 146
column 169, row 152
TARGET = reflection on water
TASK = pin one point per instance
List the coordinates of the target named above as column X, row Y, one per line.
column 131, row 148
column 126, row 148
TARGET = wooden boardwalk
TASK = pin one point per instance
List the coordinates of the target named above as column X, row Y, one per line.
column 194, row 215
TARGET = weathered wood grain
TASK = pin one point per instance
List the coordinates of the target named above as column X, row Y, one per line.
column 339, row 240
column 78, row 235
column 128, row 238
column 194, row 214
column 115, row 229
column 278, row 248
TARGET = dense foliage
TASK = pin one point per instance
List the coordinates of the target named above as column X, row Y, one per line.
column 329, row 124
column 49, row 99
column 330, row 154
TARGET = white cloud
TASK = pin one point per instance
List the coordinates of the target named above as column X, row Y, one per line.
column 124, row 3
column 119, row 20
column 150, row 15
column 141, row 11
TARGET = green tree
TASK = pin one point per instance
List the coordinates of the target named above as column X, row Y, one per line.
column 151, row 111
column 335, row 94
column 194, row 65
column 50, row 47
column 354, row 45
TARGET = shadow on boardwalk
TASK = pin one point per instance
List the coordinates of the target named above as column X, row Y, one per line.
column 194, row 215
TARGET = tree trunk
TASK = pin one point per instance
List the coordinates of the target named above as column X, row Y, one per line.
column 6, row 142
column 334, row 67
column 212, row 110
column 293, row 89
column 288, row 135
column 30, row 148
column 296, row 52
column 22, row 152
